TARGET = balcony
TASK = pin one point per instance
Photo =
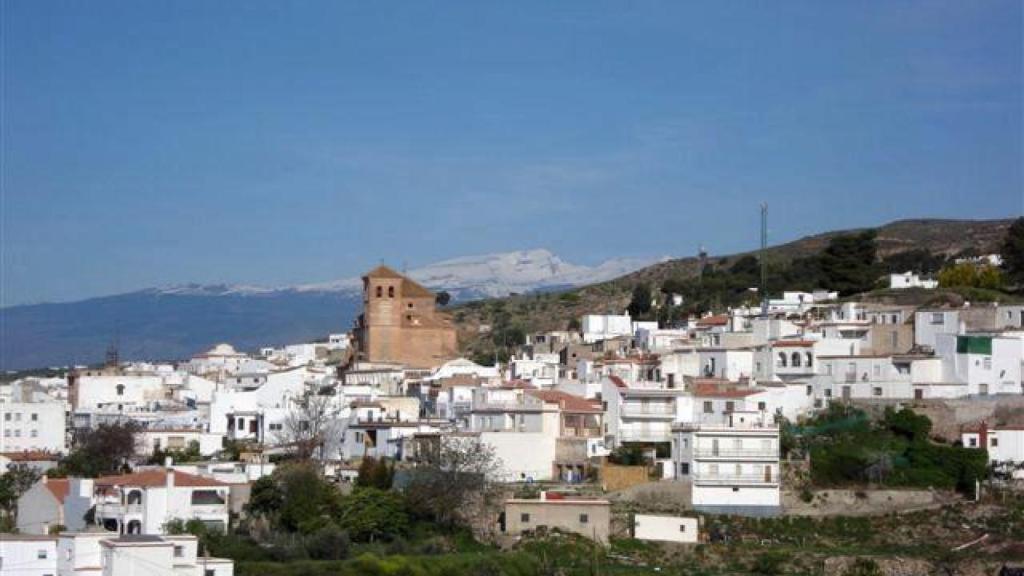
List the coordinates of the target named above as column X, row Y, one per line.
column 665, row 411
column 581, row 432
column 645, row 436
column 209, row 509
column 736, row 480
column 113, row 510
column 736, row 454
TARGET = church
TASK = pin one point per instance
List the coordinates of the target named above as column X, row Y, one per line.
column 400, row 323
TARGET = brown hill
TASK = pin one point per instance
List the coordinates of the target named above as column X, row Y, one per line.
column 536, row 312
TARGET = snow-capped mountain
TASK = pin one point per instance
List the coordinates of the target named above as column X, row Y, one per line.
column 465, row 278
column 175, row 322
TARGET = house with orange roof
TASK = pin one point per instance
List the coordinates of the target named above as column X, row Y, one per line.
column 144, row 502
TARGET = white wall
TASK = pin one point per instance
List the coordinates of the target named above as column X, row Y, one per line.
column 20, row 555
column 665, row 528
column 32, row 426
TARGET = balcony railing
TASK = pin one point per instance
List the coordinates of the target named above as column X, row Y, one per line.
column 645, row 436
column 733, row 479
column 209, row 509
column 736, row 453
column 657, row 410
column 118, row 510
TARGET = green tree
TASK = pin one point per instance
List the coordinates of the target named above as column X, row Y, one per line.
column 370, row 514
column 15, row 482
column 375, row 473
column 640, row 304
column 265, row 497
column 1012, row 252
column 908, row 424
column 104, row 450
column 848, row 263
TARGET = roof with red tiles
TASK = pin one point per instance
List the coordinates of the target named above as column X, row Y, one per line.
column 566, row 402
column 152, row 478
column 794, row 343
column 716, row 320
column 709, row 390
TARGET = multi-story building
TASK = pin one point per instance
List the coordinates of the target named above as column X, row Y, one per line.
column 33, row 427
column 641, row 413
column 733, row 467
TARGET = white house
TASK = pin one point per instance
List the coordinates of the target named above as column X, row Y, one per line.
column 28, row 555
column 929, row 323
column 910, row 280
column 987, row 364
column 679, row 529
column 144, row 502
column 596, row 327
column 33, row 427
column 131, row 555
column 642, row 412
column 1005, row 444
column 733, row 468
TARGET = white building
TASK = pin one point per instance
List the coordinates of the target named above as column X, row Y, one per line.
column 679, row 529
column 596, row 327
column 28, row 555
column 733, row 468
column 1005, row 445
column 642, row 412
column 147, row 554
column 144, row 502
column 33, row 427
column 987, row 364
column 910, row 280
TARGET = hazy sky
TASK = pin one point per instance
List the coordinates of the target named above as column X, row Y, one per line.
column 148, row 143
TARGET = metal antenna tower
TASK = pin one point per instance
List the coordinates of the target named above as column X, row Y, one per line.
column 763, row 257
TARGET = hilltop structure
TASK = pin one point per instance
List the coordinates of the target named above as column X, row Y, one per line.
column 400, row 323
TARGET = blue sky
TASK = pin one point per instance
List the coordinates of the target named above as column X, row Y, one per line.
column 148, row 143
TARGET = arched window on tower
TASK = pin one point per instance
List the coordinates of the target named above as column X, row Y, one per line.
column 380, row 291
column 391, row 291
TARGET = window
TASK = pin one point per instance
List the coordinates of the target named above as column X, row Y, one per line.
column 972, row 442
column 781, row 362
column 120, row 389
column 877, row 391
column 584, row 518
column 796, row 360
column 828, row 392
column 937, row 319
column 682, row 527
column 17, row 433
column 762, row 406
column 987, row 363
column 730, row 406
column 7, row 416
column 708, row 407
column 524, row 518
column 380, row 291
column 41, row 554
column 35, row 417
column 179, row 551
column 35, row 433
column 810, row 390
column 993, row 442
column 391, row 291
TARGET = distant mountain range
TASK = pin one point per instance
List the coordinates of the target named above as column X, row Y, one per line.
column 175, row 322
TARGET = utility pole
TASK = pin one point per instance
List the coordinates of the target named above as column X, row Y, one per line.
column 764, row 261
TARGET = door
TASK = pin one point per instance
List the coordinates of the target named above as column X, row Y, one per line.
column 846, row 392
column 768, row 474
column 918, row 394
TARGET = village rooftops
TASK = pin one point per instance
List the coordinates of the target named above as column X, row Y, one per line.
column 153, row 478
column 567, row 402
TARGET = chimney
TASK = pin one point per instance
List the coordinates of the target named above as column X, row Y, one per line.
column 168, row 461
column 543, row 495
column 170, row 479
column 983, row 435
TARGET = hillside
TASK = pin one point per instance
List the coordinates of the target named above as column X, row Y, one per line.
column 554, row 311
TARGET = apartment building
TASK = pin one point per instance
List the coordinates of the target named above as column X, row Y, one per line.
column 733, row 467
